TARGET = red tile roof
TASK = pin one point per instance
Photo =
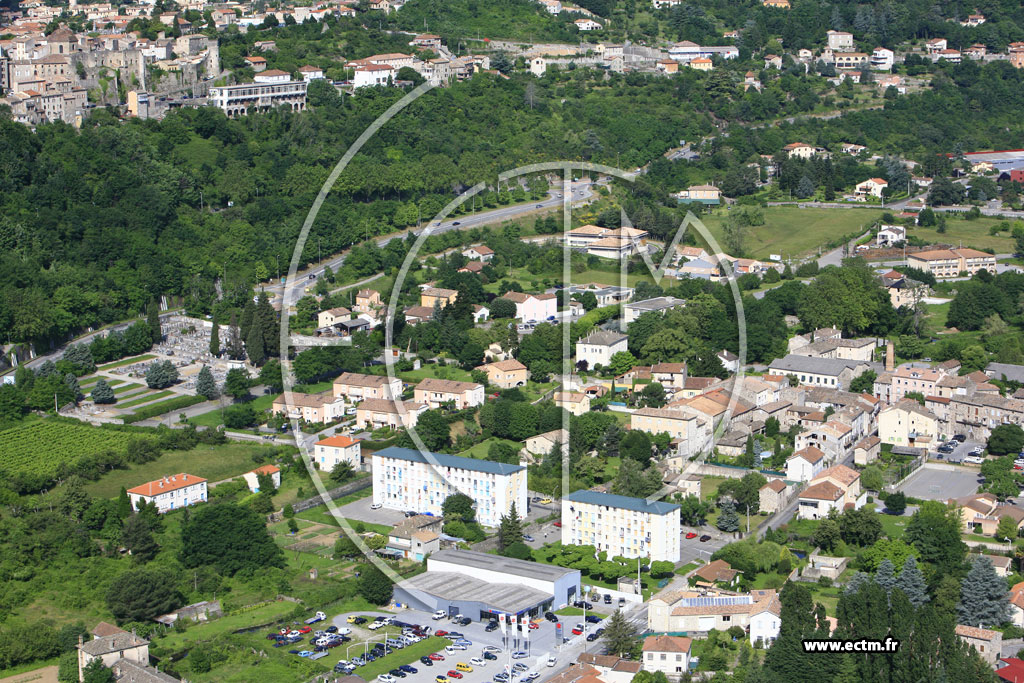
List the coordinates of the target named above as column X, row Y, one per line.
column 171, row 483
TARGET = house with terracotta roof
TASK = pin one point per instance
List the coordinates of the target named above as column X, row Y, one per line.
column 847, row 479
column 533, row 307
column 818, row 500
column 415, row 537
column 577, row 403
column 981, row 513
column 717, row 571
column 667, row 654
column 772, row 496
column 437, row 296
column 1017, row 604
column 1012, row 670
column 908, row 423
column 866, row 450
column 479, row 253
column 329, row 452
column 987, row 643
column 805, row 464
column 320, row 407
column 946, row 263
column 170, row 492
column 698, row 611
column 831, row 437
column 505, row 374
column 355, row 387
column 252, row 478
column 800, row 150
column 436, row 392
column 872, row 187
column 376, row 413
column 332, row 316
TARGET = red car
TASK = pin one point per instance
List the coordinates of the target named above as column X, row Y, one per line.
column 576, row 631
column 557, row 524
column 454, row 674
column 305, row 629
column 534, row 625
column 440, row 633
column 690, row 534
column 436, row 657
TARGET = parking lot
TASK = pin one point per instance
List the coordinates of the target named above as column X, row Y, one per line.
column 540, row 645
column 360, row 510
column 941, row 482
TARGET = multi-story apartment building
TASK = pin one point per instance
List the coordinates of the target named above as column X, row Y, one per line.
column 353, row 386
column 406, row 479
column 236, row 100
column 620, row 525
column 321, row 407
column 375, row 413
column 327, row 453
column 170, row 493
column 943, row 263
column 436, row 392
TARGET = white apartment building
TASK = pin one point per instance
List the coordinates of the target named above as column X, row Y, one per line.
column 436, row 392
column 599, row 346
column 407, row 479
column 170, row 493
column 236, row 100
column 327, row 453
column 620, row 525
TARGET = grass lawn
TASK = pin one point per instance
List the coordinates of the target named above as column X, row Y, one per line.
column 451, row 372
column 213, row 417
column 709, row 486
column 791, row 231
column 687, row 568
column 569, row 612
column 25, row 668
column 479, row 451
column 407, row 655
column 233, row 622
column 935, row 318
column 145, row 399
column 973, row 234
column 212, row 462
column 322, row 515
column 893, row 526
column 126, row 361
column 126, row 388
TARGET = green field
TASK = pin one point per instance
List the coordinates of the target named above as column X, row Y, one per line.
column 792, row 231
column 258, row 616
column 126, row 361
column 212, row 462
column 972, row 234
column 124, row 388
column 145, row 399
column 40, row 447
column 479, row 451
column 213, row 417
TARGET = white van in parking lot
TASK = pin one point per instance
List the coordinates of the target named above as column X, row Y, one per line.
column 454, row 647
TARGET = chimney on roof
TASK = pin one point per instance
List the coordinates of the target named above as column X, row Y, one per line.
column 890, row 357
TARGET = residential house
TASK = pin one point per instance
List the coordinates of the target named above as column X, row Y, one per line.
column 576, row 403
column 950, row 55
column 329, row 452
column 667, row 654
column 436, row 392
column 321, row 407
column 668, row 66
column 776, row 4
column 418, row 314
column 701, row 64
column 888, row 235
column 773, row 496
column 908, row 423
column 691, row 431
column 355, row 387
column 1017, row 605
column 587, row 25
column 818, row 500
column 866, row 450
column 533, row 307
column 717, row 571
column 620, row 525
column 505, row 374
column 800, row 150
column 542, row 444
column 1001, row 563
column 981, row 513
column 946, row 263
column 847, row 479
column 831, row 437
column 606, row 295
column 693, row 611
column 669, row 375
column 310, row 73
column 661, row 304
column 935, row 45
column 437, row 296
column 252, row 478
column 376, row 413
column 332, row 316
column 112, row 649
column 415, row 537
column 368, row 300
column 170, row 492
column 988, row 644
column 805, row 464
column 882, row 59
column 872, row 187
column 599, row 346
column 839, row 40
column 479, row 252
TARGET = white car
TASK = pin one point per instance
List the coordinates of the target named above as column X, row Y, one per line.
column 552, row 661
column 519, row 654
column 376, row 506
column 386, row 678
column 492, row 648
column 478, row 661
column 343, row 631
column 532, row 676
column 439, row 614
column 376, row 625
column 974, row 460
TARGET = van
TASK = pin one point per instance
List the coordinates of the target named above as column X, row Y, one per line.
column 462, row 666
column 395, row 643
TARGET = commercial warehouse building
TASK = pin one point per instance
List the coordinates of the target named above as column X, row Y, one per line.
column 481, row 586
column 406, row 479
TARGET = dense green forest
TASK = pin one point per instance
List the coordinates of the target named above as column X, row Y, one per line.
column 98, row 222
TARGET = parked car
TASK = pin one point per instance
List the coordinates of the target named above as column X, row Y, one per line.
column 386, row 678
column 441, row 679
column 591, row 637
column 376, row 506
column 545, row 501
column 454, row 674
column 582, row 604
column 519, row 654
column 557, row 525
column 376, row 625
column 439, row 614
column 532, row 676
column 528, row 537
column 492, row 648
column 408, row 669
column 398, row 673
column 974, row 460
column 705, row 538
column 551, row 616
column 490, row 655
column 305, row 629
column 607, row 598
column 690, row 534
column 959, row 437
column 593, row 619
column 501, row 677
column 577, row 630
column 477, row 661
column 464, row 621
column 491, row 626
column 436, row 656
column 552, row 661
column 519, row 667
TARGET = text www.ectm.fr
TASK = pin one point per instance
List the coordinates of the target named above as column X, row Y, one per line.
column 887, row 646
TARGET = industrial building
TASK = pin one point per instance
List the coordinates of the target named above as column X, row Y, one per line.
column 481, row 586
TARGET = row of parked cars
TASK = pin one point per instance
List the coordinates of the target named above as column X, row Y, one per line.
column 321, row 641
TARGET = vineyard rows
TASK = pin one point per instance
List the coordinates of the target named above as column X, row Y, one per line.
column 40, row 448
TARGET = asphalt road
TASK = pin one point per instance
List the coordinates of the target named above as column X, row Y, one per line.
column 295, row 290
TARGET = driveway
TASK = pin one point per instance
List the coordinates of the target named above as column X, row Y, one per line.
column 691, row 550
column 360, row 510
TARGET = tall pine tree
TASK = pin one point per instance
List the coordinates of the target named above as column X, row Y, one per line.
column 510, row 530
column 254, row 346
column 911, row 582
column 153, row 320
column 215, row 338
column 886, row 575
column 983, row 596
